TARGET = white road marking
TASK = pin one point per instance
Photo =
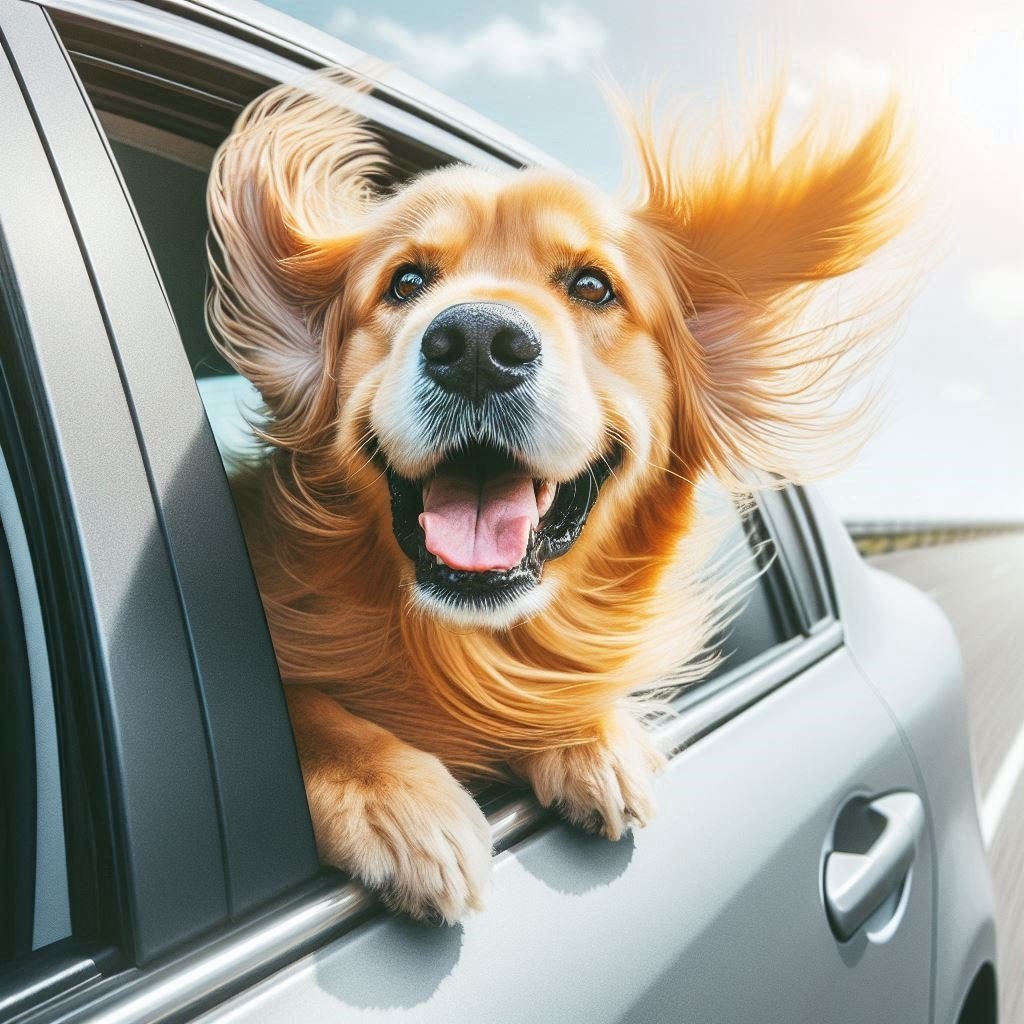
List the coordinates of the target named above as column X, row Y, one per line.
column 994, row 805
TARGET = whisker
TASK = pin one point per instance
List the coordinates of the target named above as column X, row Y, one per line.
column 652, row 465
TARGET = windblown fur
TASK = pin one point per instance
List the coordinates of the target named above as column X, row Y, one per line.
column 722, row 259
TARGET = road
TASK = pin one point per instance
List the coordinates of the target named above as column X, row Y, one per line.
column 980, row 585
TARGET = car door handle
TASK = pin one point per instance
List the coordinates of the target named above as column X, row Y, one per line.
column 858, row 882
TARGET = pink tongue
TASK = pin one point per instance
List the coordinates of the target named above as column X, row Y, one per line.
column 478, row 527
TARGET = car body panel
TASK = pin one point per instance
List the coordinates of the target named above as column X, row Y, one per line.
column 917, row 672
column 712, row 913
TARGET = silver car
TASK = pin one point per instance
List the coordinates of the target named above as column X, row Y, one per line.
column 817, row 857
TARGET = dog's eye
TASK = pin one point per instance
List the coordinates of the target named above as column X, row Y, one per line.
column 406, row 283
column 591, row 286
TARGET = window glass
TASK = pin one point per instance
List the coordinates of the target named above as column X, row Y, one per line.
column 35, row 910
column 169, row 191
column 757, row 612
column 56, row 875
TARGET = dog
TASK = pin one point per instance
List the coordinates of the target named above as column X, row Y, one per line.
column 490, row 396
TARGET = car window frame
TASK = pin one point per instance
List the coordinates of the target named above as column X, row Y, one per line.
column 327, row 906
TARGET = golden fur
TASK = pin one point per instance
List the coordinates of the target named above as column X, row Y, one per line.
column 706, row 364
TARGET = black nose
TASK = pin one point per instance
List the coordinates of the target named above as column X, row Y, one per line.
column 477, row 348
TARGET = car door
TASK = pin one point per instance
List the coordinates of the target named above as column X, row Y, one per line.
column 721, row 910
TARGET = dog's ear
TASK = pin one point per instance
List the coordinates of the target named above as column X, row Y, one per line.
column 287, row 193
column 737, row 245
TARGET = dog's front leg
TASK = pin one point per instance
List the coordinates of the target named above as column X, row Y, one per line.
column 603, row 785
column 389, row 814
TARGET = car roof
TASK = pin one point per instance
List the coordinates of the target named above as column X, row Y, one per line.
column 256, row 22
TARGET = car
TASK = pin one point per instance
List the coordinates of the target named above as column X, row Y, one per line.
column 817, row 856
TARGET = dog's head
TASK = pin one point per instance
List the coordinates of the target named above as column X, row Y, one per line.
column 510, row 367
column 497, row 367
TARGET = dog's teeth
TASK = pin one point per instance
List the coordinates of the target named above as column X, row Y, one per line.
column 545, row 496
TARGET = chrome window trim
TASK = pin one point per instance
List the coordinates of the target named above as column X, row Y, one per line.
column 739, row 689
column 46, row 975
column 775, row 564
column 190, row 983
column 783, row 514
column 770, row 513
column 810, row 579
column 804, row 498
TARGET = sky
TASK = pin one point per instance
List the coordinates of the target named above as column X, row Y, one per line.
column 951, row 440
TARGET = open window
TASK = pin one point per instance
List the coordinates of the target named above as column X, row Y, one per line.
column 164, row 114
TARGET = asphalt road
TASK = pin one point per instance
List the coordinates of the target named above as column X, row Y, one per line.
column 980, row 585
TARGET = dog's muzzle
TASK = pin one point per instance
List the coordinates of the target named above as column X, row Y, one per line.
column 480, row 524
column 477, row 349
column 479, row 528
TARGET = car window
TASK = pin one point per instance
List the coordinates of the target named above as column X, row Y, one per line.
column 33, row 869
column 165, row 172
column 756, row 613
column 34, row 902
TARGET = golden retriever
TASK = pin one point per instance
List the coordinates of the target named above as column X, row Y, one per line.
column 489, row 395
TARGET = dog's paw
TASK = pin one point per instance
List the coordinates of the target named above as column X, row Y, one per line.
column 408, row 831
column 603, row 786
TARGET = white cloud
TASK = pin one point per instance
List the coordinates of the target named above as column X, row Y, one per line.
column 799, row 93
column 849, row 71
column 343, row 20
column 835, row 73
column 567, row 39
column 963, row 392
column 998, row 293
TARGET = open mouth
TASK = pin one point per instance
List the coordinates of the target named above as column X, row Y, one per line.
column 480, row 528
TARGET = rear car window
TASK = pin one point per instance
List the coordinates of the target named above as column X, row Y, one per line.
column 35, row 907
